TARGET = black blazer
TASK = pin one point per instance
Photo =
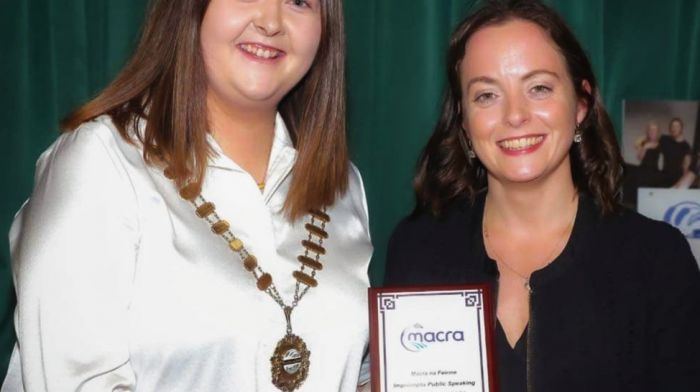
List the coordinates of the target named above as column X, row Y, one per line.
column 618, row 310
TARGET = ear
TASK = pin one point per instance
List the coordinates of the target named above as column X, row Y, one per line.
column 582, row 104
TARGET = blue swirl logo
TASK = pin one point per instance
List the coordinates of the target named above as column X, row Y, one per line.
column 686, row 217
column 415, row 338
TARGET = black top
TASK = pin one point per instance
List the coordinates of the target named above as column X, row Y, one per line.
column 673, row 152
column 512, row 361
column 618, row 310
column 650, row 160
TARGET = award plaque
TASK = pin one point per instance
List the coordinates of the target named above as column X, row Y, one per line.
column 431, row 339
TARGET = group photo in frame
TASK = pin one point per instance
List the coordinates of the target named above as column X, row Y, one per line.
column 661, row 150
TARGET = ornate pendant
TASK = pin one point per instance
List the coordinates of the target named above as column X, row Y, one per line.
column 290, row 363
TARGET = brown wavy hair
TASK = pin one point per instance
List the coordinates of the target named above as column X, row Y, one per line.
column 165, row 83
column 444, row 172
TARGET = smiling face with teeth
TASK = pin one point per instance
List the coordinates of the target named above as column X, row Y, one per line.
column 255, row 52
column 518, row 103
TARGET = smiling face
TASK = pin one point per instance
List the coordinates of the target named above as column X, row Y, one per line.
column 256, row 51
column 653, row 131
column 519, row 106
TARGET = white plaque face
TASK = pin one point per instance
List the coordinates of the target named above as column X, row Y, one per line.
column 431, row 340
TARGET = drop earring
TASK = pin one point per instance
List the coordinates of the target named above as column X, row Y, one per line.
column 466, row 145
column 578, row 137
column 470, row 150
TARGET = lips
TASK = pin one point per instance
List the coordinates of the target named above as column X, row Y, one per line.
column 262, row 52
column 521, row 144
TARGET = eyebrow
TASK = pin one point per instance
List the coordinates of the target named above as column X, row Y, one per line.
column 489, row 80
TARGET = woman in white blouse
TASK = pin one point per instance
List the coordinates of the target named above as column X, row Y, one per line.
column 198, row 227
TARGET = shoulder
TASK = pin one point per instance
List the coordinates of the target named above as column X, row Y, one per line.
column 423, row 233
column 92, row 143
column 631, row 223
column 355, row 197
column 88, row 160
column 662, row 255
column 422, row 223
column 626, row 228
column 665, row 140
column 436, row 249
column 80, row 180
column 628, row 239
column 355, row 184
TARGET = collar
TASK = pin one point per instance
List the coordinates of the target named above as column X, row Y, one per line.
column 282, row 157
column 281, row 144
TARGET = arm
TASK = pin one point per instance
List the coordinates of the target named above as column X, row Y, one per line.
column 674, row 333
column 360, row 204
column 364, row 384
column 365, row 388
column 641, row 149
column 685, row 165
column 73, row 255
column 688, row 176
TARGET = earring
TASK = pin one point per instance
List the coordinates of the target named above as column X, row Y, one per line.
column 466, row 145
column 470, row 150
column 578, row 136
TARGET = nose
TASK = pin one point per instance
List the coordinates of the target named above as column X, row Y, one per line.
column 268, row 20
column 516, row 110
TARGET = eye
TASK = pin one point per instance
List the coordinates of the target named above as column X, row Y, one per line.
column 540, row 91
column 301, row 3
column 485, row 98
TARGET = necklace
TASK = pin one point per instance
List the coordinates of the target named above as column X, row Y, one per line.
column 548, row 260
column 290, row 360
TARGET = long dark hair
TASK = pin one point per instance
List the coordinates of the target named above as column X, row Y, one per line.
column 165, row 83
column 445, row 174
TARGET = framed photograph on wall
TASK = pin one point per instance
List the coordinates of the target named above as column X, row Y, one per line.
column 661, row 150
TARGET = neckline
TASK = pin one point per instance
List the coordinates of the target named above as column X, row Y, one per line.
column 550, row 257
column 585, row 214
column 520, row 344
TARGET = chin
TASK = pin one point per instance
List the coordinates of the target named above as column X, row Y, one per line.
column 523, row 177
column 262, row 96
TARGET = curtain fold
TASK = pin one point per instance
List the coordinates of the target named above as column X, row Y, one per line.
column 57, row 54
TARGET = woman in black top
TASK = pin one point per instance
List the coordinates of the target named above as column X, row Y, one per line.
column 647, row 173
column 648, row 148
column 677, row 156
column 519, row 186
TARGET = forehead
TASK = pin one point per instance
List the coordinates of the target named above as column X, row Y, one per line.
column 515, row 46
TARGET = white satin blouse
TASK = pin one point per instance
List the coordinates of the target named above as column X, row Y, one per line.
column 121, row 287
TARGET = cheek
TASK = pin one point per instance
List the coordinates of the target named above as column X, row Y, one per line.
column 309, row 39
column 217, row 34
column 557, row 114
column 480, row 121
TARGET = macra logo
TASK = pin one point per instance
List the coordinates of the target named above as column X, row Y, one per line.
column 414, row 338
column 686, row 217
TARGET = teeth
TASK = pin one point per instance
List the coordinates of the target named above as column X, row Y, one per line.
column 260, row 52
column 521, row 143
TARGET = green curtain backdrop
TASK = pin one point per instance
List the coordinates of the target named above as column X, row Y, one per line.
column 55, row 54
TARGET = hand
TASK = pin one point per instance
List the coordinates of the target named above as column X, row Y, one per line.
column 365, row 388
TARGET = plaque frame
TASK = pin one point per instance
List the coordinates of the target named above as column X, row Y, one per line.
column 376, row 315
